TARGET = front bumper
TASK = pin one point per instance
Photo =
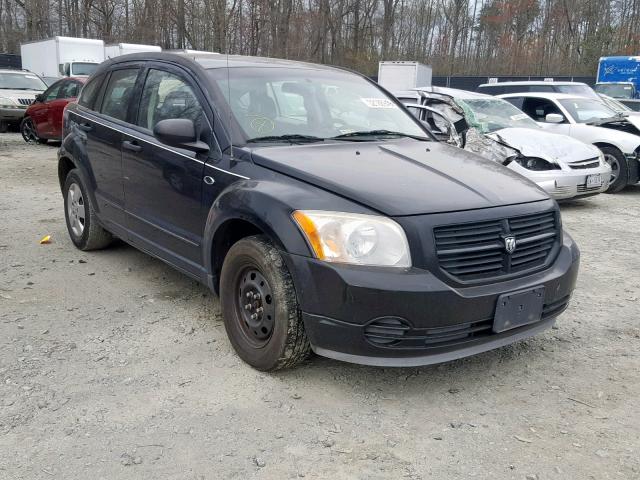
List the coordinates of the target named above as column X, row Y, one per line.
column 633, row 162
column 342, row 305
column 12, row 114
column 566, row 184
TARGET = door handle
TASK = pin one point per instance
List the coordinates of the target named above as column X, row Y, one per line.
column 85, row 127
column 131, row 145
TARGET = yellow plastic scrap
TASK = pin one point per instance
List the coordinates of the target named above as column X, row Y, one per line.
column 45, row 240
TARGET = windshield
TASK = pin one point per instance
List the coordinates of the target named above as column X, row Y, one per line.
column 582, row 90
column 80, row 68
column 585, row 110
column 21, row 81
column 615, row 90
column 615, row 104
column 491, row 114
column 276, row 102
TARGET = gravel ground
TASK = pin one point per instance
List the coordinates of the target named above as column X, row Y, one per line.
column 113, row 365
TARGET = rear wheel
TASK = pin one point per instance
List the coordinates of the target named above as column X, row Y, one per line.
column 3, row 127
column 260, row 308
column 82, row 223
column 619, row 168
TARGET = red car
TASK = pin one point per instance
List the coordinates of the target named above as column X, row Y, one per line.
column 43, row 119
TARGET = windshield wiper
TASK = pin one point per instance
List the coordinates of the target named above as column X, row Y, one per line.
column 292, row 138
column 376, row 133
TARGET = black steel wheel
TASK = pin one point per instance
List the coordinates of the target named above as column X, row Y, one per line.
column 255, row 306
column 260, row 307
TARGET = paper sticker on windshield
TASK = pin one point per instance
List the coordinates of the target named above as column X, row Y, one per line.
column 378, row 103
column 519, row 116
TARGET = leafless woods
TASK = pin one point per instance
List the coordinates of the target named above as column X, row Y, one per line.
column 455, row 36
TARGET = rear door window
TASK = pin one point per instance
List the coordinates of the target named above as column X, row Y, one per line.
column 119, row 92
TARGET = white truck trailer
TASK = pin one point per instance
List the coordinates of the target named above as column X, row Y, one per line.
column 62, row 56
column 117, row 49
column 397, row 76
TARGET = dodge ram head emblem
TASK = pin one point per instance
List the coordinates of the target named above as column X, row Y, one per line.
column 510, row 243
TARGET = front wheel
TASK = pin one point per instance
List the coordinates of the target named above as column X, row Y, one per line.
column 619, row 168
column 29, row 132
column 260, row 308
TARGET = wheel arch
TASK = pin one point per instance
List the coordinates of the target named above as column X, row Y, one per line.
column 242, row 212
column 65, row 165
column 604, row 144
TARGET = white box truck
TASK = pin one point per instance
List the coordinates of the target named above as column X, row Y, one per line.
column 397, row 76
column 117, row 49
column 62, row 56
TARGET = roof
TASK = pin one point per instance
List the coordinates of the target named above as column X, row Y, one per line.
column 449, row 92
column 209, row 60
column 454, row 92
column 533, row 82
column 548, row 95
column 16, row 70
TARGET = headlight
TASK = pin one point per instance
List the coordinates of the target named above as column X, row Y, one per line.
column 6, row 102
column 354, row 238
column 536, row 164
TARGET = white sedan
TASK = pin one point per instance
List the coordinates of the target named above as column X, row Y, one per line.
column 494, row 129
column 589, row 120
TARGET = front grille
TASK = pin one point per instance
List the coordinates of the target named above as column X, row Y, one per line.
column 476, row 251
column 25, row 101
column 397, row 333
column 393, row 332
column 584, row 189
column 583, row 164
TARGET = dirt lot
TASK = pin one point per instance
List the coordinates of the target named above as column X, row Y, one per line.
column 113, row 365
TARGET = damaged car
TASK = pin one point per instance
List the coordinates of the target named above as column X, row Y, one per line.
column 493, row 128
column 591, row 121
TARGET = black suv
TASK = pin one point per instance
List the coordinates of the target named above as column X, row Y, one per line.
column 324, row 215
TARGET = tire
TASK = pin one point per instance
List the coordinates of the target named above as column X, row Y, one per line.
column 28, row 131
column 276, row 339
column 619, row 167
column 3, row 127
column 85, row 231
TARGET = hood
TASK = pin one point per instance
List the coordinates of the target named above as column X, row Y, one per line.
column 552, row 147
column 633, row 118
column 404, row 177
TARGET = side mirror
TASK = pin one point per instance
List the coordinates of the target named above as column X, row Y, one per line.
column 180, row 133
column 67, row 69
column 553, row 118
column 39, row 98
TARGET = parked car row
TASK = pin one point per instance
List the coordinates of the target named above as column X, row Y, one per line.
column 539, row 129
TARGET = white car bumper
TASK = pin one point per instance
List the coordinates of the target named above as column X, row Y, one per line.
column 568, row 183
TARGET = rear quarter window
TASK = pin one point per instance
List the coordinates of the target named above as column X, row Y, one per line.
column 90, row 91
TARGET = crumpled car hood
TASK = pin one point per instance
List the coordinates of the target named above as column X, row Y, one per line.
column 549, row 146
